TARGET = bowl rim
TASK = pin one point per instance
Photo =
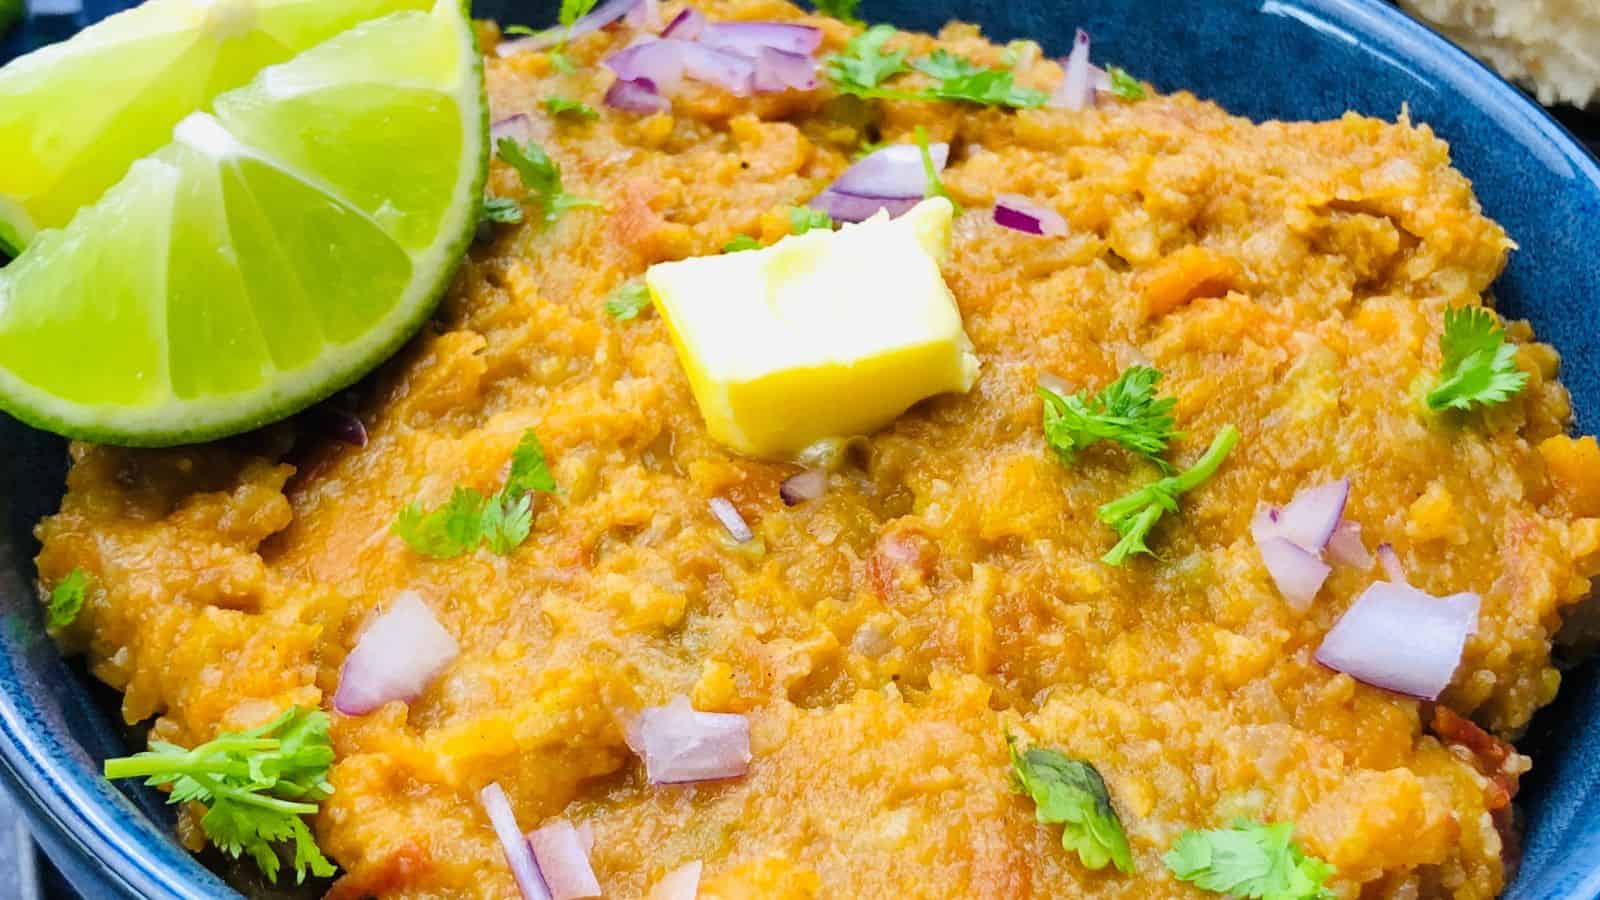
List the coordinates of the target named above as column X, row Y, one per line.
column 101, row 843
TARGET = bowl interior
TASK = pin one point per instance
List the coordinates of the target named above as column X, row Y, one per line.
column 1286, row 59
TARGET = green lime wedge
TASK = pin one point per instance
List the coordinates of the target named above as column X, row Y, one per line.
column 279, row 248
column 75, row 115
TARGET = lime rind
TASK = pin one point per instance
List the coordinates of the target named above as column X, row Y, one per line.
column 169, row 421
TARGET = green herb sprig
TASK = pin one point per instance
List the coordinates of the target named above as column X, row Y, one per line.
column 1127, row 412
column 628, row 301
column 1070, row 793
column 1133, row 515
column 66, row 599
column 542, row 177
column 255, row 785
column 502, row 521
column 1480, row 367
column 1250, row 860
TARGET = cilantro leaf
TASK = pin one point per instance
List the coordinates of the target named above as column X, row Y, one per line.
column 563, row 106
column 959, row 79
column 1135, row 514
column 503, row 521
column 519, row 30
column 803, row 219
column 541, row 176
column 502, row 210
column 843, row 10
column 1070, row 793
column 740, row 243
column 1123, row 85
column 1250, row 860
column 935, row 184
column 628, row 301
column 573, row 10
column 865, row 65
column 255, row 785
column 1127, row 411
column 1480, row 367
column 66, row 599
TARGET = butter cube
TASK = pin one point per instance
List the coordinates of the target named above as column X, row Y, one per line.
column 822, row 335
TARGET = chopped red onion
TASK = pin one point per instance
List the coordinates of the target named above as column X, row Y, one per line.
column 749, row 38
column 728, row 515
column 1401, row 639
column 682, row 883
column 564, row 860
column 1391, row 563
column 666, row 61
column 681, row 745
column 518, row 128
column 1054, row 383
column 518, row 853
column 686, row 25
column 638, row 95
column 340, row 423
column 603, row 15
column 1297, row 573
column 779, row 70
column 1347, row 547
column 1076, row 90
column 1310, row 519
column 645, row 16
column 397, row 657
column 1018, row 213
column 1101, row 79
column 803, row 486
column 894, row 171
column 843, row 207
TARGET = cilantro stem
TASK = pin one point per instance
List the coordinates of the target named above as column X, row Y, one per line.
column 1135, row 514
column 247, row 798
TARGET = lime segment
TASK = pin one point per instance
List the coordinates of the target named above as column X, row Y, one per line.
column 257, row 264
column 74, row 116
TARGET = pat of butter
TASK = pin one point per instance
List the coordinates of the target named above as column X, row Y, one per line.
column 822, row 335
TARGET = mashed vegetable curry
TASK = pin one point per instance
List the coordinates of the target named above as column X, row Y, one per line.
column 946, row 589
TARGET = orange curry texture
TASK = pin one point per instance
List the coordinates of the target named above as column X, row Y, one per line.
column 947, row 589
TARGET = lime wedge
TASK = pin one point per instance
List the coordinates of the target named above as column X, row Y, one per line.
column 75, row 115
column 279, row 248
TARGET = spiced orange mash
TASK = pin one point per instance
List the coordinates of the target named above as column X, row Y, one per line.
column 933, row 659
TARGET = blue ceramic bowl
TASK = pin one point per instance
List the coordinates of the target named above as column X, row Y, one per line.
column 1291, row 59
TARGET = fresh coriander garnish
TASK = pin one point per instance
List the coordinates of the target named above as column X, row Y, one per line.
column 628, row 301
column 255, row 786
column 935, row 184
column 502, row 521
column 1070, row 793
column 740, row 243
column 563, row 106
column 1250, row 860
column 1127, row 411
column 66, row 599
column 518, row 30
column 562, row 62
column 803, row 219
column 865, row 64
column 1124, row 85
column 542, row 177
column 1135, row 514
column 1480, row 368
column 501, row 210
column 959, row 79
column 843, row 10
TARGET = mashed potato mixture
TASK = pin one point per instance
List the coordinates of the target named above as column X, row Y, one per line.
column 946, row 588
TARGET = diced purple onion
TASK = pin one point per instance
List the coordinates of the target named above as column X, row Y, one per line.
column 687, row 25
column 728, row 515
column 1401, row 639
column 645, row 16
column 1101, row 79
column 1311, row 518
column 1018, row 213
column 519, row 128
column 749, row 38
column 603, row 15
column 1347, row 548
column 340, row 423
column 779, row 70
column 397, row 657
column 563, row 860
column 529, row 882
column 1297, row 573
column 667, row 61
column 1076, row 90
column 681, row 745
column 803, row 486
column 638, row 95
column 682, row 883
column 1054, row 383
column 893, row 171
column 1390, row 561
column 843, row 207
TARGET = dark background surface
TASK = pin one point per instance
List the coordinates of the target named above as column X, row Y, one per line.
column 24, row 873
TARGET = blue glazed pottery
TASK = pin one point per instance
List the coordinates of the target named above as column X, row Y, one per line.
column 1289, row 59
